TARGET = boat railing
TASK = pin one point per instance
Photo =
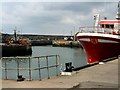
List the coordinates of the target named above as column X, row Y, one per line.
column 29, row 64
column 98, row 30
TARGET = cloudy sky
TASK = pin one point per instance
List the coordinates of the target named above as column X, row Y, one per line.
column 52, row 17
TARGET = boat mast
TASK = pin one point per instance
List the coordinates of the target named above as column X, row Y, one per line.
column 15, row 35
column 96, row 22
column 118, row 12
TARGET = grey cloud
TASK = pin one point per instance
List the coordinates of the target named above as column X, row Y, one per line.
column 83, row 7
column 46, row 17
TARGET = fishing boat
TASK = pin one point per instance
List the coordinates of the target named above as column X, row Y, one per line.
column 16, row 47
column 102, row 41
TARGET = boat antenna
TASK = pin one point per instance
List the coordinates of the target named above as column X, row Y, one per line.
column 118, row 12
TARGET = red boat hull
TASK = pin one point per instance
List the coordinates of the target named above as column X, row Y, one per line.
column 100, row 48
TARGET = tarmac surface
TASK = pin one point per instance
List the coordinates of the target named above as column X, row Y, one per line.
column 97, row 76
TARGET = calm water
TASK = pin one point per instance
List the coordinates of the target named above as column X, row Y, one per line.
column 74, row 55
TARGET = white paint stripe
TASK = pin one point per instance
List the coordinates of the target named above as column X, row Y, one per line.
column 99, row 40
column 85, row 39
column 99, row 35
column 107, row 41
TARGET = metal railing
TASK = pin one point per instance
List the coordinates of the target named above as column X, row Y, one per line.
column 37, row 67
column 89, row 29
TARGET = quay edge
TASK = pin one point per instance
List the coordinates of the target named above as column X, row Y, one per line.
column 16, row 50
column 63, row 43
column 93, row 78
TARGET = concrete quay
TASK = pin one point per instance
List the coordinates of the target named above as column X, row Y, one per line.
column 97, row 76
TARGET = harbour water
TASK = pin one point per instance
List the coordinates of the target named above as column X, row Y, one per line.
column 75, row 55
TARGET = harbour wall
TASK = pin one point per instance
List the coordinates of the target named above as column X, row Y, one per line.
column 32, row 37
column 41, row 40
column 63, row 43
column 16, row 50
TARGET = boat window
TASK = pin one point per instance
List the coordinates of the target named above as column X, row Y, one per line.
column 107, row 26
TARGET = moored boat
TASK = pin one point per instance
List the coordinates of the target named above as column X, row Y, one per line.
column 16, row 47
column 102, row 41
column 16, row 50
